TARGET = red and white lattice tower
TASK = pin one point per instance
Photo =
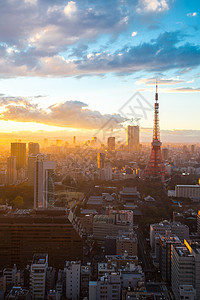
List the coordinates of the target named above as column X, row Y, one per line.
column 155, row 168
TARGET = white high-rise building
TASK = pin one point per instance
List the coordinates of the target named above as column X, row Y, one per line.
column 38, row 276
column 44, row 182
column 33, row 148
column 31, row 169
column 185, row 268
column 73, row 279
column 11, row 170
column 165, row 227
column 133, row 139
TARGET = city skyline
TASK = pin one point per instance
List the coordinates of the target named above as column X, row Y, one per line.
column 70, row 67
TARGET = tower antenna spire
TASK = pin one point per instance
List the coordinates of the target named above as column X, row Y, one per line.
column 156, row 95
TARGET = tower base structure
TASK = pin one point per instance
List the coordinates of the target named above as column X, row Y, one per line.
column 156, row 168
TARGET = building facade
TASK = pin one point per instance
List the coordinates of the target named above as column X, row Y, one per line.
column 73, row 271
column 19, row 151
column 38, row 276
column 33, row 148
column 25, row 232
column 187, row 191
column 43, row 182
column 11, row 170
column 133, row 140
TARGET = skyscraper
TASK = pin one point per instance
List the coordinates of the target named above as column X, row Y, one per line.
column 11, row 170
column 33, row 148
column 38, row 276
column 73, row 272
column 111, row 143
column 19, row 150
column 44, row 182
column 31, row 169
column 133, row 140
column 74, row 140
column 100, row 160
column 58, row 143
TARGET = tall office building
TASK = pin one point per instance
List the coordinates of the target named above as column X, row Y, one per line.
column 111, row 143
column 100, row 160
column 185, row 267
column 38, row 276
column 176, row 228
column 73, row 279
column 19, row 150
column 133, row 140
column 74, row 140
column 31, row 169
column 165, row 254
column 44, row 182
column 11, row 170
column 33, row 148
column 58, row 143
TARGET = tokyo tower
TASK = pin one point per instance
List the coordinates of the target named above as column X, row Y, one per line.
column 155, row 168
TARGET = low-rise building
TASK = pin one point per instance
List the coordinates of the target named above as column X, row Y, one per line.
column 127, row 243
column 187, row 191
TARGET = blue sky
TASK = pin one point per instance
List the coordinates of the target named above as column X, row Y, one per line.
column 73, row 64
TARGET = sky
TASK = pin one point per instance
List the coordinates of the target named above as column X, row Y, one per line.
column 73, row 66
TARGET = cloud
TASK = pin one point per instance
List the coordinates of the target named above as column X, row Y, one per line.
column 160, row 81
column 31, row 2
column 70, row 9
column 149, row 6
column 134, row 33
column 194, row 14
column 160, row 54
column 89, row 21
column 186, row 90
column 172, row 90
column 71, row 114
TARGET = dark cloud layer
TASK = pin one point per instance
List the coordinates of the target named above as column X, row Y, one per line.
column 52, row 38
column 164, row 53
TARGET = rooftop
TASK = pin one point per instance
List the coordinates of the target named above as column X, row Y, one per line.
column 40, row 258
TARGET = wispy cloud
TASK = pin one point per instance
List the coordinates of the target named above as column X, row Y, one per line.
column 134, row 33
column 186, row 90
column 193, row 14
column 160, row 81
